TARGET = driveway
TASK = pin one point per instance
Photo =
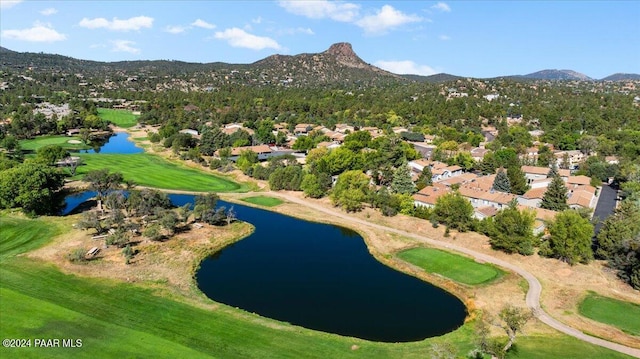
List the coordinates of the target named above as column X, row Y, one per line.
column 606, row 205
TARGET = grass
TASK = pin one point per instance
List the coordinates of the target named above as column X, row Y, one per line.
column 154, row 171
column 120, row 118
column 115, row 319
column 263, row 201
column 20, row 235
column 622, row 315
column 34, row 144
column 458, row 268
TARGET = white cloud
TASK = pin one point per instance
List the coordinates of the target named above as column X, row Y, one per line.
column 203, row 24
column 444, row 37
column 5, row 4
column 175, row 29
column 257, row 20
column 321, row 9
column 38, row 33
column 134, row 23
column 406, row 67
column 386, row 18
column 442, row 7
column 297, row 30
column 239, row 38
column 48, row 11
column 124, row 46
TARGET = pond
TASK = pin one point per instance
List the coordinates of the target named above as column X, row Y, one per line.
column 320, row 277
column 118, row 143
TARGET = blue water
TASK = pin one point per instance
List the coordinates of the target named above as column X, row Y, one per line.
column 118, row 143
column 320, row 277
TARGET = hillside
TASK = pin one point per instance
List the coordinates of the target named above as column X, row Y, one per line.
column 622, row 77
column 558, row 75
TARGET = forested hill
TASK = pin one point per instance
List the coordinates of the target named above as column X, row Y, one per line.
column 338, row 65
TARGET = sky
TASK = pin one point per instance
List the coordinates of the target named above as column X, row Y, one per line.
column 465, row 38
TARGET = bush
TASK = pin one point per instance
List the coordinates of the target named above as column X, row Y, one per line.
column 77, row 255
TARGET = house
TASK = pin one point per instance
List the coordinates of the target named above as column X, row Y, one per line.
column 481, row 213
column 344, row 128
column 477, row 153
column 441, row 171
column 191, row 132
column 461, row 179
column 481, row 198
column 263, row 151
column 418, row 165
column 540, row 183
column 533, row 173
column 533, row 197
column 484, row 183
column 428, row 196
column 232, row 128
column 541, row 217
column 573, row 158
column 578, row 180
column 302, row 129
column 424, row 148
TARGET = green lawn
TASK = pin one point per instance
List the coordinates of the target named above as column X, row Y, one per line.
column 115, row 319
column 34, row 144
column 121, row 118
column 458, row 268
column 263, row 201
column 154, row 171
column 622, row 315
column 20, row 235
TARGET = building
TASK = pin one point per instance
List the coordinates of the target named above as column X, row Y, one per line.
column 428, row 196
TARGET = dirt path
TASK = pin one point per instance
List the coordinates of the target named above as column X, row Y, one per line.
column 535, row 288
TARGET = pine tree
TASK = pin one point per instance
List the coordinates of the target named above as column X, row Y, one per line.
column 425, row 179
column 517, row 180
column 554, row 171
column 401, row 182
column 501, row 182
column 555, row 198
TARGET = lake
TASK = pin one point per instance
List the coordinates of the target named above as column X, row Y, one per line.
column 320, row 277
column 118, row 143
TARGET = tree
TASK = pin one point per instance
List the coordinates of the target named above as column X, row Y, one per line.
column 511, row 230
column 102, row 181
column 513, row 320
column 454, row 211
column 401, row 182
column 350, row 190
column 311, row 186
column 570, row 237
column 246, row 159
column 555, row 198
column 517, row 180
column 425, row 178
column 286, row 178
column 32, row 186
column 50, row 154
column 501, row 182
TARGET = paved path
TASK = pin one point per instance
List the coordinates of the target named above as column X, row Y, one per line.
column 535, row 288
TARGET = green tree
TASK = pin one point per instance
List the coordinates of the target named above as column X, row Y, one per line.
column 246, row 159
column 501, row 182
column 454, row 211
column 311, row 186
column 102, row 181
column 32, row 186
column 425, row 178
column 401, row 182
column 511, row 230
column 286, row 178
column 50, row 154
column 517, row 180
column 570, row 237
column 555, row 198
column 350, row 190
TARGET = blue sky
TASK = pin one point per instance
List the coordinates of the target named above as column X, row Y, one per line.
column 466, row 38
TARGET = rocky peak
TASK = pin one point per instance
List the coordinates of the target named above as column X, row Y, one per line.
column 343, row 53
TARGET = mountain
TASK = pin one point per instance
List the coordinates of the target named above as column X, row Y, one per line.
column 558, row 75
column 622, row 77
column 339, row 63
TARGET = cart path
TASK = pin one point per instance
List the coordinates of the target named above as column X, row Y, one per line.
column 535, row 288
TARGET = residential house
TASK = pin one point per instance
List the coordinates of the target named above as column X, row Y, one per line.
column 263, row 152
column 533, row 197
column 533, row 173
column 481, row 213
column 477, row 153
column 481, row 198
column 424, row 148
column 428, row 196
